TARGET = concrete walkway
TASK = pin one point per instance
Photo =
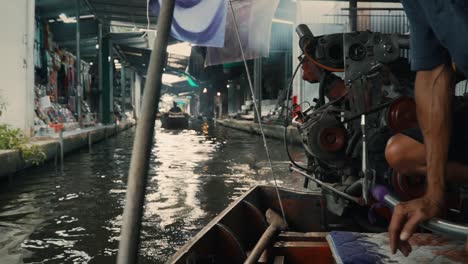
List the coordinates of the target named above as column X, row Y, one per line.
column 12, row 161
column 273, row 131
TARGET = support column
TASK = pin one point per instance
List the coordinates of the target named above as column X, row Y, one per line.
column 353, row 15
column 17, row 64
column 106, row 82
column 258, row 87
column 123, row 86
column 287, row 69
column 231, row 95
column 137, row 92
column 131, row 76
column 111, row 82
column 78, row 63
column 100, row 70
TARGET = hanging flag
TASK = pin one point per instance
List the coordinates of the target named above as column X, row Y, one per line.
column 254, row 18
column 201, row 22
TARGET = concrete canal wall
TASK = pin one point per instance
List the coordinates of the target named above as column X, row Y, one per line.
column 272, row 131
column 12, row 162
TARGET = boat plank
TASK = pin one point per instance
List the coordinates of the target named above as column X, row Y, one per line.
column 244, row 219
column 298, row 236
column 279, row 260
column 300, row 252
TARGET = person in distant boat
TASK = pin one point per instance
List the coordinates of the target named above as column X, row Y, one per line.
column 175, row 108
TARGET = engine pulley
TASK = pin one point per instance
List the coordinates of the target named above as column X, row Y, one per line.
column 402, row 114
column 324, row 137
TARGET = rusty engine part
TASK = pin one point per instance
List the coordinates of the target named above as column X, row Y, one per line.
column 378, row 89
column 401, row 114
column 324, row 137
column 331, row 136
column 311, row 72
column 408, row 187
column 334, row 86
column 325, row 51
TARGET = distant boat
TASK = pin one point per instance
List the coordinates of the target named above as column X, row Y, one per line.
column 175, row 120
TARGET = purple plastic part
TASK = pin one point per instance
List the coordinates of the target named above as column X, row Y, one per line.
column 379, row 192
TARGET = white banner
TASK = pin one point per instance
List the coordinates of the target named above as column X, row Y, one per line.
column 254, row 18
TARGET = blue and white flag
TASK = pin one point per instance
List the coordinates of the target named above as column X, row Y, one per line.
column 201, row 22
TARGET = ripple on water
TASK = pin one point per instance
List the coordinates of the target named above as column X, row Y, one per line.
column 75, row 217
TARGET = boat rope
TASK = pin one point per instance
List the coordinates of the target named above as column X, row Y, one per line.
column 259, row 117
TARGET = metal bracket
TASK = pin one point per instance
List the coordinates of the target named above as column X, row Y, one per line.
column 328, row 186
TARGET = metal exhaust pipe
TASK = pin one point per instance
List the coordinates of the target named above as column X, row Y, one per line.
column 435, row 225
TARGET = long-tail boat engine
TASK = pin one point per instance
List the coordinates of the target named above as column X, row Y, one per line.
column 365, row 97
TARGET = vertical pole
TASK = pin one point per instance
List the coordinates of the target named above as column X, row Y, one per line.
column 56, row 157
column 122, row 90
column 139, row 166
column 100, row 70
column 287, row 73
column 132, row 89
column 111, row 83
column 90, row 142
column 28, row 114
column 61, row 149
column 106, row 83
column 78, row 63
column 353, row 15
column 258, row 87
column 231, row 96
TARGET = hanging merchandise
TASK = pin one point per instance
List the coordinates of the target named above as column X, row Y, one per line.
column 56, row 97
column 44, row 102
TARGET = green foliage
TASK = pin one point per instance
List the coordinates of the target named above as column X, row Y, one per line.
column 11, row 138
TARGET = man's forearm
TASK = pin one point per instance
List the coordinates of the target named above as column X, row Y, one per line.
column 434, row 91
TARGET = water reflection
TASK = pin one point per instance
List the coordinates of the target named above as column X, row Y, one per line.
column 75, row 217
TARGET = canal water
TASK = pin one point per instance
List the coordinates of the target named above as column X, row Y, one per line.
column 75, row 216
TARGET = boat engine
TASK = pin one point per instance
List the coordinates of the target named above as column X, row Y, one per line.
column 345, row 133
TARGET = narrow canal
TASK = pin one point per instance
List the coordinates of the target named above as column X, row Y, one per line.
column 75, row 216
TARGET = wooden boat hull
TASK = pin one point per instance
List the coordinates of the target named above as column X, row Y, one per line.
column 175, row 121
column 231, row 236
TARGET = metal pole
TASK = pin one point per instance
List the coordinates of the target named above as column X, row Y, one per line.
column 100, row 70
column 122, row 90
column 61, row 149
column 353, row 15
column 435, row 224
column 90, row 142
column 78, row 63
column 137, row 178
column 57, row 152
column 258, row 88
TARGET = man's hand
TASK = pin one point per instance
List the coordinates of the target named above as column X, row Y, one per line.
column 406, row 218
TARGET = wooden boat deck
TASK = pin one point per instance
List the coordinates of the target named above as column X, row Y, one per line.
column 230, row 236
column 234, row 234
